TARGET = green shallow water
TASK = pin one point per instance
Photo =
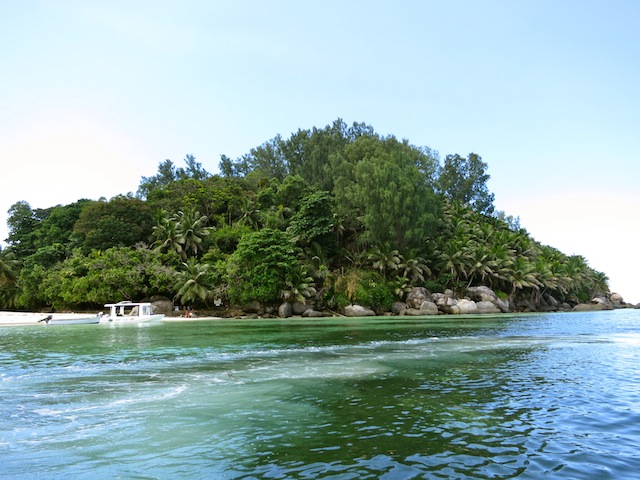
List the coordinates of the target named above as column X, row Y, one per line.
column 553, row 396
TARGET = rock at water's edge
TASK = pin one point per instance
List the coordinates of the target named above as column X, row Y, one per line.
column 416, row 296
column 487, row 307
column 284, row 310
column 358, row 311
column 589, row 307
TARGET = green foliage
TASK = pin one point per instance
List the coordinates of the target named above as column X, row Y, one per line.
column 341, row 209
column 299, row 285
column 192, row 229
column 258, row 269
column 464, row 180
column 193, row 283
column 57, row 227
column 227, row 238
column 182, row 234
column 101, row 277
column 123, row 221
column 168, row 174
column 375, row 292
column 366, row 288
column 9, row 271
column 314, row 221
column 8, row 267
column 291, row 191
column 35, row 269
column 380, row 185
column 22, row 223
column 475, row 249
column 211, row 196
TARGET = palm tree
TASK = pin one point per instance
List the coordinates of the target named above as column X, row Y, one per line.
column 481, row 266
column 385, row 262
column 8, row 266
column 250, row 214
column 191, row 228
column 522, row 275
column 577, row 273
column 9, row 292
column 599, row 284
column 453, row 258
column 192, row 282
column 166, row 237
column 299, row 285
column 400, row 286
column 414, row 269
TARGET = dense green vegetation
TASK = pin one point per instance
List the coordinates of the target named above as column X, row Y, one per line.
column 336, row 215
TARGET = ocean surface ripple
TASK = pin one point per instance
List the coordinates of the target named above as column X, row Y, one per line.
column 531, row 396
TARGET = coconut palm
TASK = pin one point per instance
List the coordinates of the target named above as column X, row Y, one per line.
column 166, row 237
column 249, row 213
column 299, row 285
column 192, row 228
column 8, row 268
column 385, row 262
column 522, row 275
column 192, row 282
column 599, row 284
column 9, row 292
column 400, row 286
column 482, row 266
column 453, row 257
column 414, row 269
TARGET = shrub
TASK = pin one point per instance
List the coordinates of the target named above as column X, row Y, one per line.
column 258, row 268
column 366, row 288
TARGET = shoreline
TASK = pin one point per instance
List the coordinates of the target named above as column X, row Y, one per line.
column 8, row 318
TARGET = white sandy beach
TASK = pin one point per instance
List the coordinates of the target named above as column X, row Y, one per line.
column 31, row 318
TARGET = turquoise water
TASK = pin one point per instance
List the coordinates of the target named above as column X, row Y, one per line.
column 553, row 396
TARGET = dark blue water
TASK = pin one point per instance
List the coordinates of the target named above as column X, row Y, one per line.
column 537, row 396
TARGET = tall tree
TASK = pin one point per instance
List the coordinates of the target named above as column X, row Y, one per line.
column 381, row 184
column 122, row 221
column 57, row 227
column 464, row 180
column 169, row 173
column 22, row 222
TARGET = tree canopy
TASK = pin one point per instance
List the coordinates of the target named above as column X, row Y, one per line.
column 334, row 214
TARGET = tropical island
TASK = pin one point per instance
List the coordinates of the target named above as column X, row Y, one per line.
column 333, row 220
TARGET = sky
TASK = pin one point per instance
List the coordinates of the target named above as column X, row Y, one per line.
column 96, row 94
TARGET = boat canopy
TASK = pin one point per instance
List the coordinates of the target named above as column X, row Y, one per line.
column 127, row 308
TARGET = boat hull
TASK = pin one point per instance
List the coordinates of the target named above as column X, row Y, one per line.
column 73, row 321
column 133, row 319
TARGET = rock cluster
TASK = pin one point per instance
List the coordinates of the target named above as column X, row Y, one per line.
column 612, row 301
column 478, row 300
column 287, row 309
column 421, row 302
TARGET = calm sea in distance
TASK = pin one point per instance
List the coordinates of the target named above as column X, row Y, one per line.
column 482, row 397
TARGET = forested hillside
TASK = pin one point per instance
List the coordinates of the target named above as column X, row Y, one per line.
column 335, row 215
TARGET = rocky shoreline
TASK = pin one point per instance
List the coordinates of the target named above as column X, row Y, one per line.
column 421, row 302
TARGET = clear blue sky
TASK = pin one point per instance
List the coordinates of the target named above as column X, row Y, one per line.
column 95, row 94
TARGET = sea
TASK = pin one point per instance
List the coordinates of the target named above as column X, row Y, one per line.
column 448, row 397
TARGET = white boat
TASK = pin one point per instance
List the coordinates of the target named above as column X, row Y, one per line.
column 131, row 312
column 70, row 320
